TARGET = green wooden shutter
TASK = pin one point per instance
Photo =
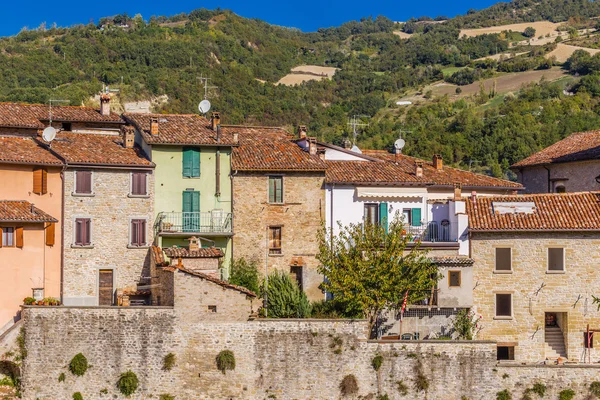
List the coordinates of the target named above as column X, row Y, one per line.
column 187, row 162
column 416, row 217
column 383, row 216
column 187, row 201
column 271, row 190
column 195, row 201
column 195, row 162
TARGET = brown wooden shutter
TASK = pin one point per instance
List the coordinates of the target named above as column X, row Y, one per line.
column 19, row 234
column 86, row 232
column 83, row 182
column 142, row 232
column 44, row 181
column 82, row 231
column 50, row 232
column 142, row 183
column 37, row 181
column 1, row 235
column 78, row 231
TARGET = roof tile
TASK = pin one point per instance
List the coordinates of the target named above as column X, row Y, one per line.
column 22, row 211
column 204, row 252
column 19, row 115
column 25, row 150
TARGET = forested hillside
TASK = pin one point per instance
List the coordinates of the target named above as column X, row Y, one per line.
column 244, row 58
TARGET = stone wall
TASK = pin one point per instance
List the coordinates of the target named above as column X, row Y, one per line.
column 110, row 209
column 300, row 217
column 574, row 176
column 536, row 291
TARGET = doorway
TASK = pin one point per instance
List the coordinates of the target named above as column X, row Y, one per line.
column 105, row 290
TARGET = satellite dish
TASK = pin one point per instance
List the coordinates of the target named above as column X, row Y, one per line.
column 49, row 134
column 204, row 106
column 399, row 144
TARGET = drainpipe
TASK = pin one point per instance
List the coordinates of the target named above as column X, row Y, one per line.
column 62, row 234
column 265, row 305
column 331, row 216
column 548, row 169
column 218, row 173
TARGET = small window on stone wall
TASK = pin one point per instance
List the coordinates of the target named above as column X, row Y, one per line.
column 506, row 353
column 212, row 309
column 503, row 259
column 588, row 340
column 454, row 278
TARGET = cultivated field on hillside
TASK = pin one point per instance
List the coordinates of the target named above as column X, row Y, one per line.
column 499, row 56
column 564, row 51
column 305, row 73
column 403, row 35
column 542, row 28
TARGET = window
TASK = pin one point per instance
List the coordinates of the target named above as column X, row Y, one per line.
column 83, row 231
column 275, row 189
column 588, row 340
column 503, row 305
column 274, row 240
column 503, row 259
column 454, row 278
column 138, row 184
column 66, row 126
column 83, row 182
column 556, row 259
column 138, row 232
column 40, row 181
column 412, row 216
column 371, row 214
column 560, row 189
column 407, row 213
column 297, row 276
column 212, row 309
column 505, row 353
column 191, row 162
column 8, row 237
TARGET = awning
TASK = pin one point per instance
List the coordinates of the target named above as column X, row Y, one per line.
column 405, row 192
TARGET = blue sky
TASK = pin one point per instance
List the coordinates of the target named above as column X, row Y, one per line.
column 312, row 15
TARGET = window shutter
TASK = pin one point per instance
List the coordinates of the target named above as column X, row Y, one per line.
column 195, row 201
column 142, row 183
column 195, row 162
column 187, row 162
column 87, row 235
column 19, row 239
column 1, row 236
column 416, row 217
column 142, row 232
column 78, row 232
column 279, row 190
column 134, row 183
column 37, row 181
column 83, row 182
column 383, row 216
column 87, row 181
column 50, row 232
column 44, row 181
column 187, row 201
column 271, row 190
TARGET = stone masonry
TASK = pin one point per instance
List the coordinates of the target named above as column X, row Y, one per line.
column 301, row 217
column 536, row 291
column 575, row 176
column 110, row 209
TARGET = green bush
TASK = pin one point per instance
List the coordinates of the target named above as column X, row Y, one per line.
column 128, row 383
column 349, row 385
column 225, row 361
column 166, row 397
column 245, row 273
column 376, row 362
column 77, row 396
column 169, row 362
column 402, row 388
column 503, row 395
column 61, row 377
column 284, row 297
column 78, row 365
column 566, row 394
column 334, row 309
column 539, row 389
column 595, row 389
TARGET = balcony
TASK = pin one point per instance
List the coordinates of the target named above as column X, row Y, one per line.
column 431, row 232
column 214, row 223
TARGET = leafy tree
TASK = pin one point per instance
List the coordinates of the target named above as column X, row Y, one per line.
column 284, row 297
column 372, row 270
column 529, row 32
column 245, row 273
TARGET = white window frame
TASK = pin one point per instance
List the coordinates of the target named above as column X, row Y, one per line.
column 92, row 179
column 74, row 238
column 504, row 271
column 131, row 246
column 139, row 196
column 512, row 306
column 564, row 261
column 14, row 236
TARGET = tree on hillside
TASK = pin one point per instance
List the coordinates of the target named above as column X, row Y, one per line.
column 529, row 32
column 372, row 269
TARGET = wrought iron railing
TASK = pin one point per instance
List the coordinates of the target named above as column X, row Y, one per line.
column 216, row 221
column 431, row 232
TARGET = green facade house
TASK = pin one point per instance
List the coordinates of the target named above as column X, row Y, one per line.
column 192, row 178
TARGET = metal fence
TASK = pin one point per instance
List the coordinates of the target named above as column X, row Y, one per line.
column 215, row 221
column 418, row 323
column 433, row 231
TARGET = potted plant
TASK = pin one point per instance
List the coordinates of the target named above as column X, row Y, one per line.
column 28, row 301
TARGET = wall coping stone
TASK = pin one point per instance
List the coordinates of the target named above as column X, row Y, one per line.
column 101, row 307
column 345, row 320
column 524, row 365
column 434, row 341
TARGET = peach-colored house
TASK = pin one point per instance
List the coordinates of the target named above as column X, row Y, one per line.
column 30, row 224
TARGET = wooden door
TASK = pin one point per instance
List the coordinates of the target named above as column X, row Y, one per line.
column 105, row 293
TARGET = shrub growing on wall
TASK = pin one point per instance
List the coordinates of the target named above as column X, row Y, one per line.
column 349, row 385
column 128, row 383
column 169, row 362
column 78, row 365
column 566, row 394
column 503, row 395
column 595, row 389
column 225, row 361
column 376, row 362
column 77, row 396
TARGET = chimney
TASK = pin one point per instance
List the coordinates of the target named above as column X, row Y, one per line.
column 215, row 120
column 312, row 146
column 154, row 126
column 437, row 162
column 419, row 169
column 474, row 197
column 457, row 192
column 236, row 138
column 302, row 131
column 105, row 104
column 322, row 155
column 128, row 137
column 347, row 144
column 194, row 244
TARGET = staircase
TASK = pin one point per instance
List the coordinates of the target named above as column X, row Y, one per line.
column 555, row 343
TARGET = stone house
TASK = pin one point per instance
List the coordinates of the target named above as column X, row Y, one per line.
column 278, row 203
column 193, row 190
column 570, row 165
column 108, row 188
column 536, row 259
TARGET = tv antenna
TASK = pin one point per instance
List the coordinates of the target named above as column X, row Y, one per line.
column 205, row 80
column 355, row 122
column 107, row 90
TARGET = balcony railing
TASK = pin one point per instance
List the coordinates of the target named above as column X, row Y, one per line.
column 431, row 232
column 214, row 222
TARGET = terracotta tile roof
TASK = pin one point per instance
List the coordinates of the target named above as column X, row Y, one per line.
column 20, row 115
column 205, row 252
column 22, row 211
column 551, row 212
column 369, row 172
column 270, row 149
column 445, row 176
column 94, row 149
column 452, row 261
column 25, row 150
column 189, row 129
column 158, row 256
column 576, row 147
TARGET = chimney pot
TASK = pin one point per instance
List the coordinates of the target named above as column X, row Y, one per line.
column 105, row 105
column 302, row 131
column 128, row 138
column 194, row 243
column 457, row 191
column 236, row 138
column 154, row 126
column 215, row 120
column 419, row 169
column 437, row 162
column 474, row 197
column 312, row 146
